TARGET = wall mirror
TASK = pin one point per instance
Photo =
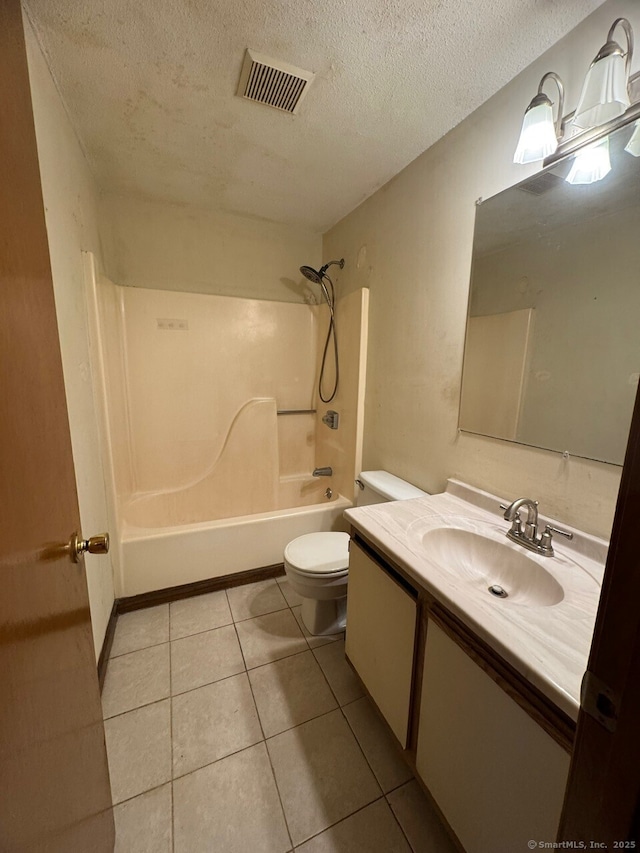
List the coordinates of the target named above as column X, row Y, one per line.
column 552, row 349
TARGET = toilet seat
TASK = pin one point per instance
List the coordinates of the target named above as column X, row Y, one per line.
column 319, row 554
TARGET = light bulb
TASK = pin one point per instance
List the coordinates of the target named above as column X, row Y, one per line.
column 591, row 164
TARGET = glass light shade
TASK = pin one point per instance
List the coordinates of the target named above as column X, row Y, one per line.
column 633, row 145
column 538, row 135
column 604, row 92
column 591, row 164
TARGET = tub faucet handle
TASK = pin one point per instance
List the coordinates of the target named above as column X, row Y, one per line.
column 331, row 419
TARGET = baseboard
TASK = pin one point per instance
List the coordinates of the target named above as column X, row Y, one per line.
column 187, row 590
column 106, row 644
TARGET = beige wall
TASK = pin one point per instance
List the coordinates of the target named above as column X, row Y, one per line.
column 175, row 247
column 71, row 216
column 410, row 243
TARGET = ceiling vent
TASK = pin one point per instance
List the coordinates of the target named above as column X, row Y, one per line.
column 540, row 184
column 274, row 83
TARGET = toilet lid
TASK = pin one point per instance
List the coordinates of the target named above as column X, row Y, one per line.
column 319, row 553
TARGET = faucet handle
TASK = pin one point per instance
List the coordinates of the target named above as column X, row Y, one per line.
column 550, row 529
column 546, row 546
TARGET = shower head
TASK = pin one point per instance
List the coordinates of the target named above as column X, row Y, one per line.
column 311, row 274
column 316, row 276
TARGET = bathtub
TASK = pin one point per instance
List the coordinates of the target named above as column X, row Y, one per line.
column 156, row 554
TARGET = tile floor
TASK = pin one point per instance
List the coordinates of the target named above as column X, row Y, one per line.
column 231, row 730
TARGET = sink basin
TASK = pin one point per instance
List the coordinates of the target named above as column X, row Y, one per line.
column 497, row 569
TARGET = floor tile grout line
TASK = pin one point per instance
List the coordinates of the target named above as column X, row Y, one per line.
column 275, row 660
column 382, row 795
column 139, row 708
column 355, row 734
column 245, row 586
column 173, row 827
column 266, row 613
column 397, row 820
column 275, row 782
column 199, row 633
column 401, row 785
column 333, row 692
column 273, row 772
column 141, row 649
column 242, row 749
column 135, row 651
column 141, row 794
column 368, row 763
column 151, row 645
column 143, row 704
column 217, row 681
column 175, row 695
column 209, row 683
column 244, row 660
column 342, row 819
column 255, row 704
column 217, row 760
column 297, row 725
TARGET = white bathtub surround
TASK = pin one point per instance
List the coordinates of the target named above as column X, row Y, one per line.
column 205, row 476
column 156, row 558
column 548, row 645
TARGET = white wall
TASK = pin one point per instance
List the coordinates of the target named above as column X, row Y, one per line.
column 176, row 247
column 70, row 199
column 410, row 243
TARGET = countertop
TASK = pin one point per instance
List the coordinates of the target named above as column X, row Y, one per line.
column 548, row 645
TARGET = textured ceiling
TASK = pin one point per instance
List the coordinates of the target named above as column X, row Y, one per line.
column 150, row 88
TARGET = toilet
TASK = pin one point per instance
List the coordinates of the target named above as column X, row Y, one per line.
column 317, row 564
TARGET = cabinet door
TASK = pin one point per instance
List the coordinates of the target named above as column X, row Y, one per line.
column 496, row 775
column 381, row 626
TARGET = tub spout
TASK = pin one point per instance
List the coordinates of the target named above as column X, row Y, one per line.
column 322, row 472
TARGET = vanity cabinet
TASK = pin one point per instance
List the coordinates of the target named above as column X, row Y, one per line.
column 380, row 637
column 491, row 750
column 496, row 775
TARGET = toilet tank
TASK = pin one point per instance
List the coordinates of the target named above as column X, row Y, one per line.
column 381, row 486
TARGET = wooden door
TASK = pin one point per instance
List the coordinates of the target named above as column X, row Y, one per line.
column 54, row 781
column 602, row 802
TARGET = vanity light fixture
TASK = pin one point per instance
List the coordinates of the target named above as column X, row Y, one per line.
column 539, row 135
column 591, row 164
column 633, row 145
column 605, row 92
column 605, row 103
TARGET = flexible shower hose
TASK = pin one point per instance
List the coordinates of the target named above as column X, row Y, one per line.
column 331, row 330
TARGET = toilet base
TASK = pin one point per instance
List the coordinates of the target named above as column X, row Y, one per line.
column 324, row 617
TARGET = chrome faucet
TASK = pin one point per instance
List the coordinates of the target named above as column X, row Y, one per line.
column 323, row 472
column 527, row 536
